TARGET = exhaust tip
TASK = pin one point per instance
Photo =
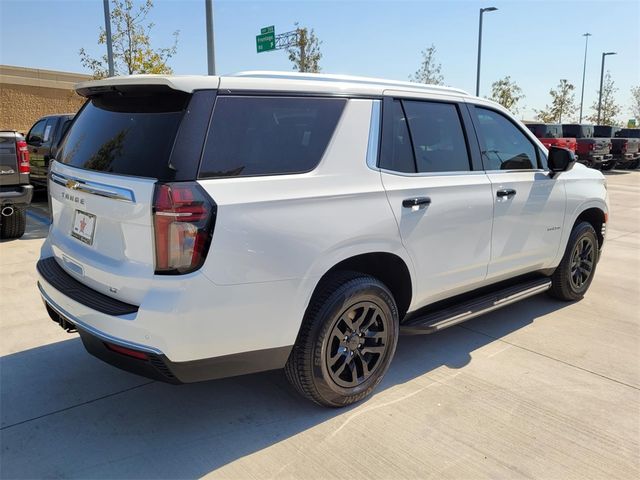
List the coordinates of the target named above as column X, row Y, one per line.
column 7, row 211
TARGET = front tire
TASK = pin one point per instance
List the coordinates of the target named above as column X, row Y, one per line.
column 574, row 275
column 346, row 342
column 14, row 225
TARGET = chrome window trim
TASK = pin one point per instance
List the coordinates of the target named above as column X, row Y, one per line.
column 522, row 170
column 455, row 173
column 374, row 135
column 94, row 188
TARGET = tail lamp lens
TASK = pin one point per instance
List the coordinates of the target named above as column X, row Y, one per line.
column 23, row 156
column 183, row 220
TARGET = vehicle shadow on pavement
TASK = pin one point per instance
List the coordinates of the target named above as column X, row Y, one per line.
column 66, row 414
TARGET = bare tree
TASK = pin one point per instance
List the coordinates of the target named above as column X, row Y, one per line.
column 609, row 108
column 635, row 102
column 506, row 93
column 562, row 103
column 132, row 50
column 306, row 54
column 429, row 71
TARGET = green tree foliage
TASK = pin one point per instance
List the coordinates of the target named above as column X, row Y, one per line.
column 506, row 93
column 563, row 103
column 609, row 109
column 635, row 102
column 305, row 54
column 132, row 50
column 429, row 71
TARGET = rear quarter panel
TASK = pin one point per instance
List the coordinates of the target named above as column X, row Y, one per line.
column 296, row 227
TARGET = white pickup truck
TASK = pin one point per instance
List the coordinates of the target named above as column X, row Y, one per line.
column 211, row 226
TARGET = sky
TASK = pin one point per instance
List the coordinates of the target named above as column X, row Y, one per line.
column 535, row 42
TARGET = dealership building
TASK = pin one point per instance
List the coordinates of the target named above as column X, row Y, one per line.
column 27, row 94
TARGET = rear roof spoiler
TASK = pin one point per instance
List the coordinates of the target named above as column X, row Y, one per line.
column 186, row 83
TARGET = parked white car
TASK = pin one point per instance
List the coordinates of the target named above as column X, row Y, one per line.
column 213, row 226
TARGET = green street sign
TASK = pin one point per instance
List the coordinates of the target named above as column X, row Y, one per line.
column 266, row 42
column 631, row 123
column 270, row 29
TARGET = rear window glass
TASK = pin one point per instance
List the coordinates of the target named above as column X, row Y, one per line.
column 545, row 131
column 125, row 134
column 628, row 133
column 268, row 135
column 577, row 131
column 605, row 131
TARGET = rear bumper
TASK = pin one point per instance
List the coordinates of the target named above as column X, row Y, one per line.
column 626, row 157
column 152, row 363
column 595, row 158
column 16, row 195
column 145, row 333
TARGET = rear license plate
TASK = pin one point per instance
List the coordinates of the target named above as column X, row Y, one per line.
column 84, row 225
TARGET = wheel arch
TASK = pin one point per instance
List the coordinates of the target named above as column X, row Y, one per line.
column 387, row 267
column 595, row 216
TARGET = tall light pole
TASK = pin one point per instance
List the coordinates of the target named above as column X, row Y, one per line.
column 604, row 54
column 584, row 70
column 107, row 31
column 482, row 10
column 211, row 53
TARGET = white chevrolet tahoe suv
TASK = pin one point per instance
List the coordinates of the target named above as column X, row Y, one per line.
column 211, row 226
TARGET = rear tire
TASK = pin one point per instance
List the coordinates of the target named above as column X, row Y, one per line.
column 346, row 342
column 14, row 225
column 571, row 280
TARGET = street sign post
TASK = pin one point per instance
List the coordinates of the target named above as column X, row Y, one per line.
column 266, row 42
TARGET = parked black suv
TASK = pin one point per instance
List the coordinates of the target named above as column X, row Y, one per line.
column 42, row 140
column 15, row 191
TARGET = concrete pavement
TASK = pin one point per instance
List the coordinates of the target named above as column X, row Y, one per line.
column 540, row 389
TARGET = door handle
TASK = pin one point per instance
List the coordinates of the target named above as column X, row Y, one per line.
column 506, row 192
column 419, row 202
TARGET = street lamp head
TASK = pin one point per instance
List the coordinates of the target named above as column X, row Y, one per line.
column 586, row 34
column 610, row 53
column 488, row 9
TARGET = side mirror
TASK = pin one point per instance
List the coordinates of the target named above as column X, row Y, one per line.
column 34, row 140
column 560, row 160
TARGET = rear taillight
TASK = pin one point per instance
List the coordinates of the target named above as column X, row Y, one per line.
column 183, row 220
column 624, row 146
column 23, row 156
column 592, row 146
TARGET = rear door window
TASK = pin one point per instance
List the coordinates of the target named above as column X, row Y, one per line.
column 438, row 139
column 396, row 145
column 128, row 134
column 251, row 136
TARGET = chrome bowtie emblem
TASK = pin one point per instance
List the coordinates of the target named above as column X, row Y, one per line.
column 72, row 184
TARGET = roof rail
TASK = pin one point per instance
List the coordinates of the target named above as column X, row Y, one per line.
column 323, row 77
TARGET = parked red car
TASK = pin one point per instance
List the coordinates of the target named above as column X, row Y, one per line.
column 550, row 134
